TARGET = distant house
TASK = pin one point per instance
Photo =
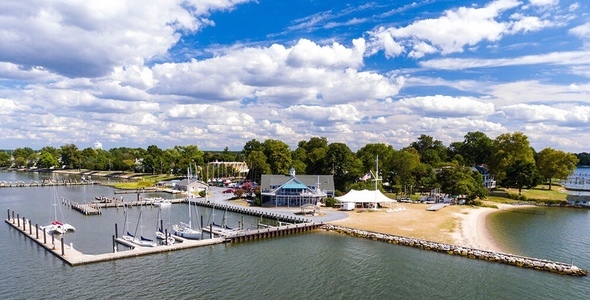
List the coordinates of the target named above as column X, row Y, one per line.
column 295, row 190
column 488, row 179
column 195, row 186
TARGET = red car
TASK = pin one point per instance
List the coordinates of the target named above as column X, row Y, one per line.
column 228, row 191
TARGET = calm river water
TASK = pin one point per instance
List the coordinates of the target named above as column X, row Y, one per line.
column 305, row 266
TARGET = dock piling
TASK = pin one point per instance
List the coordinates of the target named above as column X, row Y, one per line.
column 44, row 237
column 62, row 247
column 30, row 228
column 12, row 217
column 211, row 230
column 37, row 231
column 116, row 231
column 18, row 220
column 114, row 243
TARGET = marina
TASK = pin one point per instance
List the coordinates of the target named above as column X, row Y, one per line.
column 205, row 272
column 67, row 253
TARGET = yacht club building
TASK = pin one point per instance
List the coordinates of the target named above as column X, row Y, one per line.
column 295, row 190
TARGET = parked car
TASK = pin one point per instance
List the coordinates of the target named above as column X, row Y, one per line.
column 228, row 191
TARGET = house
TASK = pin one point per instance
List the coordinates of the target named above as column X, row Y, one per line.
column 295, row 190
column 488, row 179
column 195, row 186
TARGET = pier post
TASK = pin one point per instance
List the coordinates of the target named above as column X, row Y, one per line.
column 37, row 231
column 201, row 221
column 30, row 228
column 24, row 224
column 114, row 244
column 44, row 237
column 116, row 231
column 62, row 247
column 8, row 210
column 18, row 220
column 53, row 242
column 211, row 229
column 13, row 217
column 166, row 235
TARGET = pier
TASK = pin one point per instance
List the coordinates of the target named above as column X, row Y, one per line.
column 21, row 184
column 56, row 245
column 252, row 212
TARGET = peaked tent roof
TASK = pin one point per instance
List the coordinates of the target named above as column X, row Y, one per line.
column 364, row 196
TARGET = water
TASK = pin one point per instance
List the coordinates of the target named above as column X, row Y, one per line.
column 305, row 266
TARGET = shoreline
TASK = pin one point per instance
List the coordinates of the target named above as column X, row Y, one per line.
column 457, row 225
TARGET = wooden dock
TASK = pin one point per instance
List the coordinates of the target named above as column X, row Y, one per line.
column 21, row 184
column 56, row 245
column 67, row 253
column 248, row 235
column 95, row 208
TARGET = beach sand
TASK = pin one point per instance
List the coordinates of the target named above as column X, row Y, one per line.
column 455, row 224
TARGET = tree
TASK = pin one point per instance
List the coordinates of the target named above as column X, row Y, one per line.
column 521, row 174
column 278, row 156
column 461, row 180
column 70, row 155
column 24, row 157
column 506, row 150
column 343, row 164
column 553, row 163
column 5, row 161
column 312, row 154
column 431, row 151
column 401, row 169
column 475, row 149
column 47, row 160
column 258, row 165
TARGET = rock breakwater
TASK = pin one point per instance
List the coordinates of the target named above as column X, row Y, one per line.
column 491, row 256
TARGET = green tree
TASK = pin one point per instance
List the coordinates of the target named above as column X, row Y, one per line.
column 70, row 156
column 553, row 163
column 506, row 150
column 461, row 180
column 402, row 169
column 47, row 160
column 278, row 156
column 313, row 154
column 431, row 151
column 153, row 160
column 343, row 164
column 521, row 174
column 5, row 161
column 475, row 149
column 24, row 157
column 258, row 165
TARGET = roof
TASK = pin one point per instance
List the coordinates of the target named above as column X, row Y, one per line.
column 326, row 181
column 364, row 196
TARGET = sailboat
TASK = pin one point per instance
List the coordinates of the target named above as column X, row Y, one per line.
column 56, row 226
column 185, row 230
column 160, row 235
column 140, row 241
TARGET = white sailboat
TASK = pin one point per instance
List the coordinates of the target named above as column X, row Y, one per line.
column 160, row 234
column 185, row 230
column 57, row 226
column 140, row 241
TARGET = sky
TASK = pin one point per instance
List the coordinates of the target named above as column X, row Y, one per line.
column 219, row 73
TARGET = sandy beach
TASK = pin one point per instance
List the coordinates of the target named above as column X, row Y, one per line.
column 460, row 225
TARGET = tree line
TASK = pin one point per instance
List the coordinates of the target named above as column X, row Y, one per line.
column 423, row 165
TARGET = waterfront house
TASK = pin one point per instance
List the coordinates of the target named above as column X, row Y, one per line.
column 195, row 186
column 295, row 190
column 488, row 179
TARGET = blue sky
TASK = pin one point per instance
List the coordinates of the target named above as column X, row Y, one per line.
column 218, row 73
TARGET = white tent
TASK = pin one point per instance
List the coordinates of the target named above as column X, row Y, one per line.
column 364, row 196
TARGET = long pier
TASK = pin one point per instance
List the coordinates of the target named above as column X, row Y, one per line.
column 73, row 257
column 252, row 212
column 7, row 184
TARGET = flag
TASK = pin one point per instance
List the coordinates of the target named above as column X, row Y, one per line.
column 367, row 176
